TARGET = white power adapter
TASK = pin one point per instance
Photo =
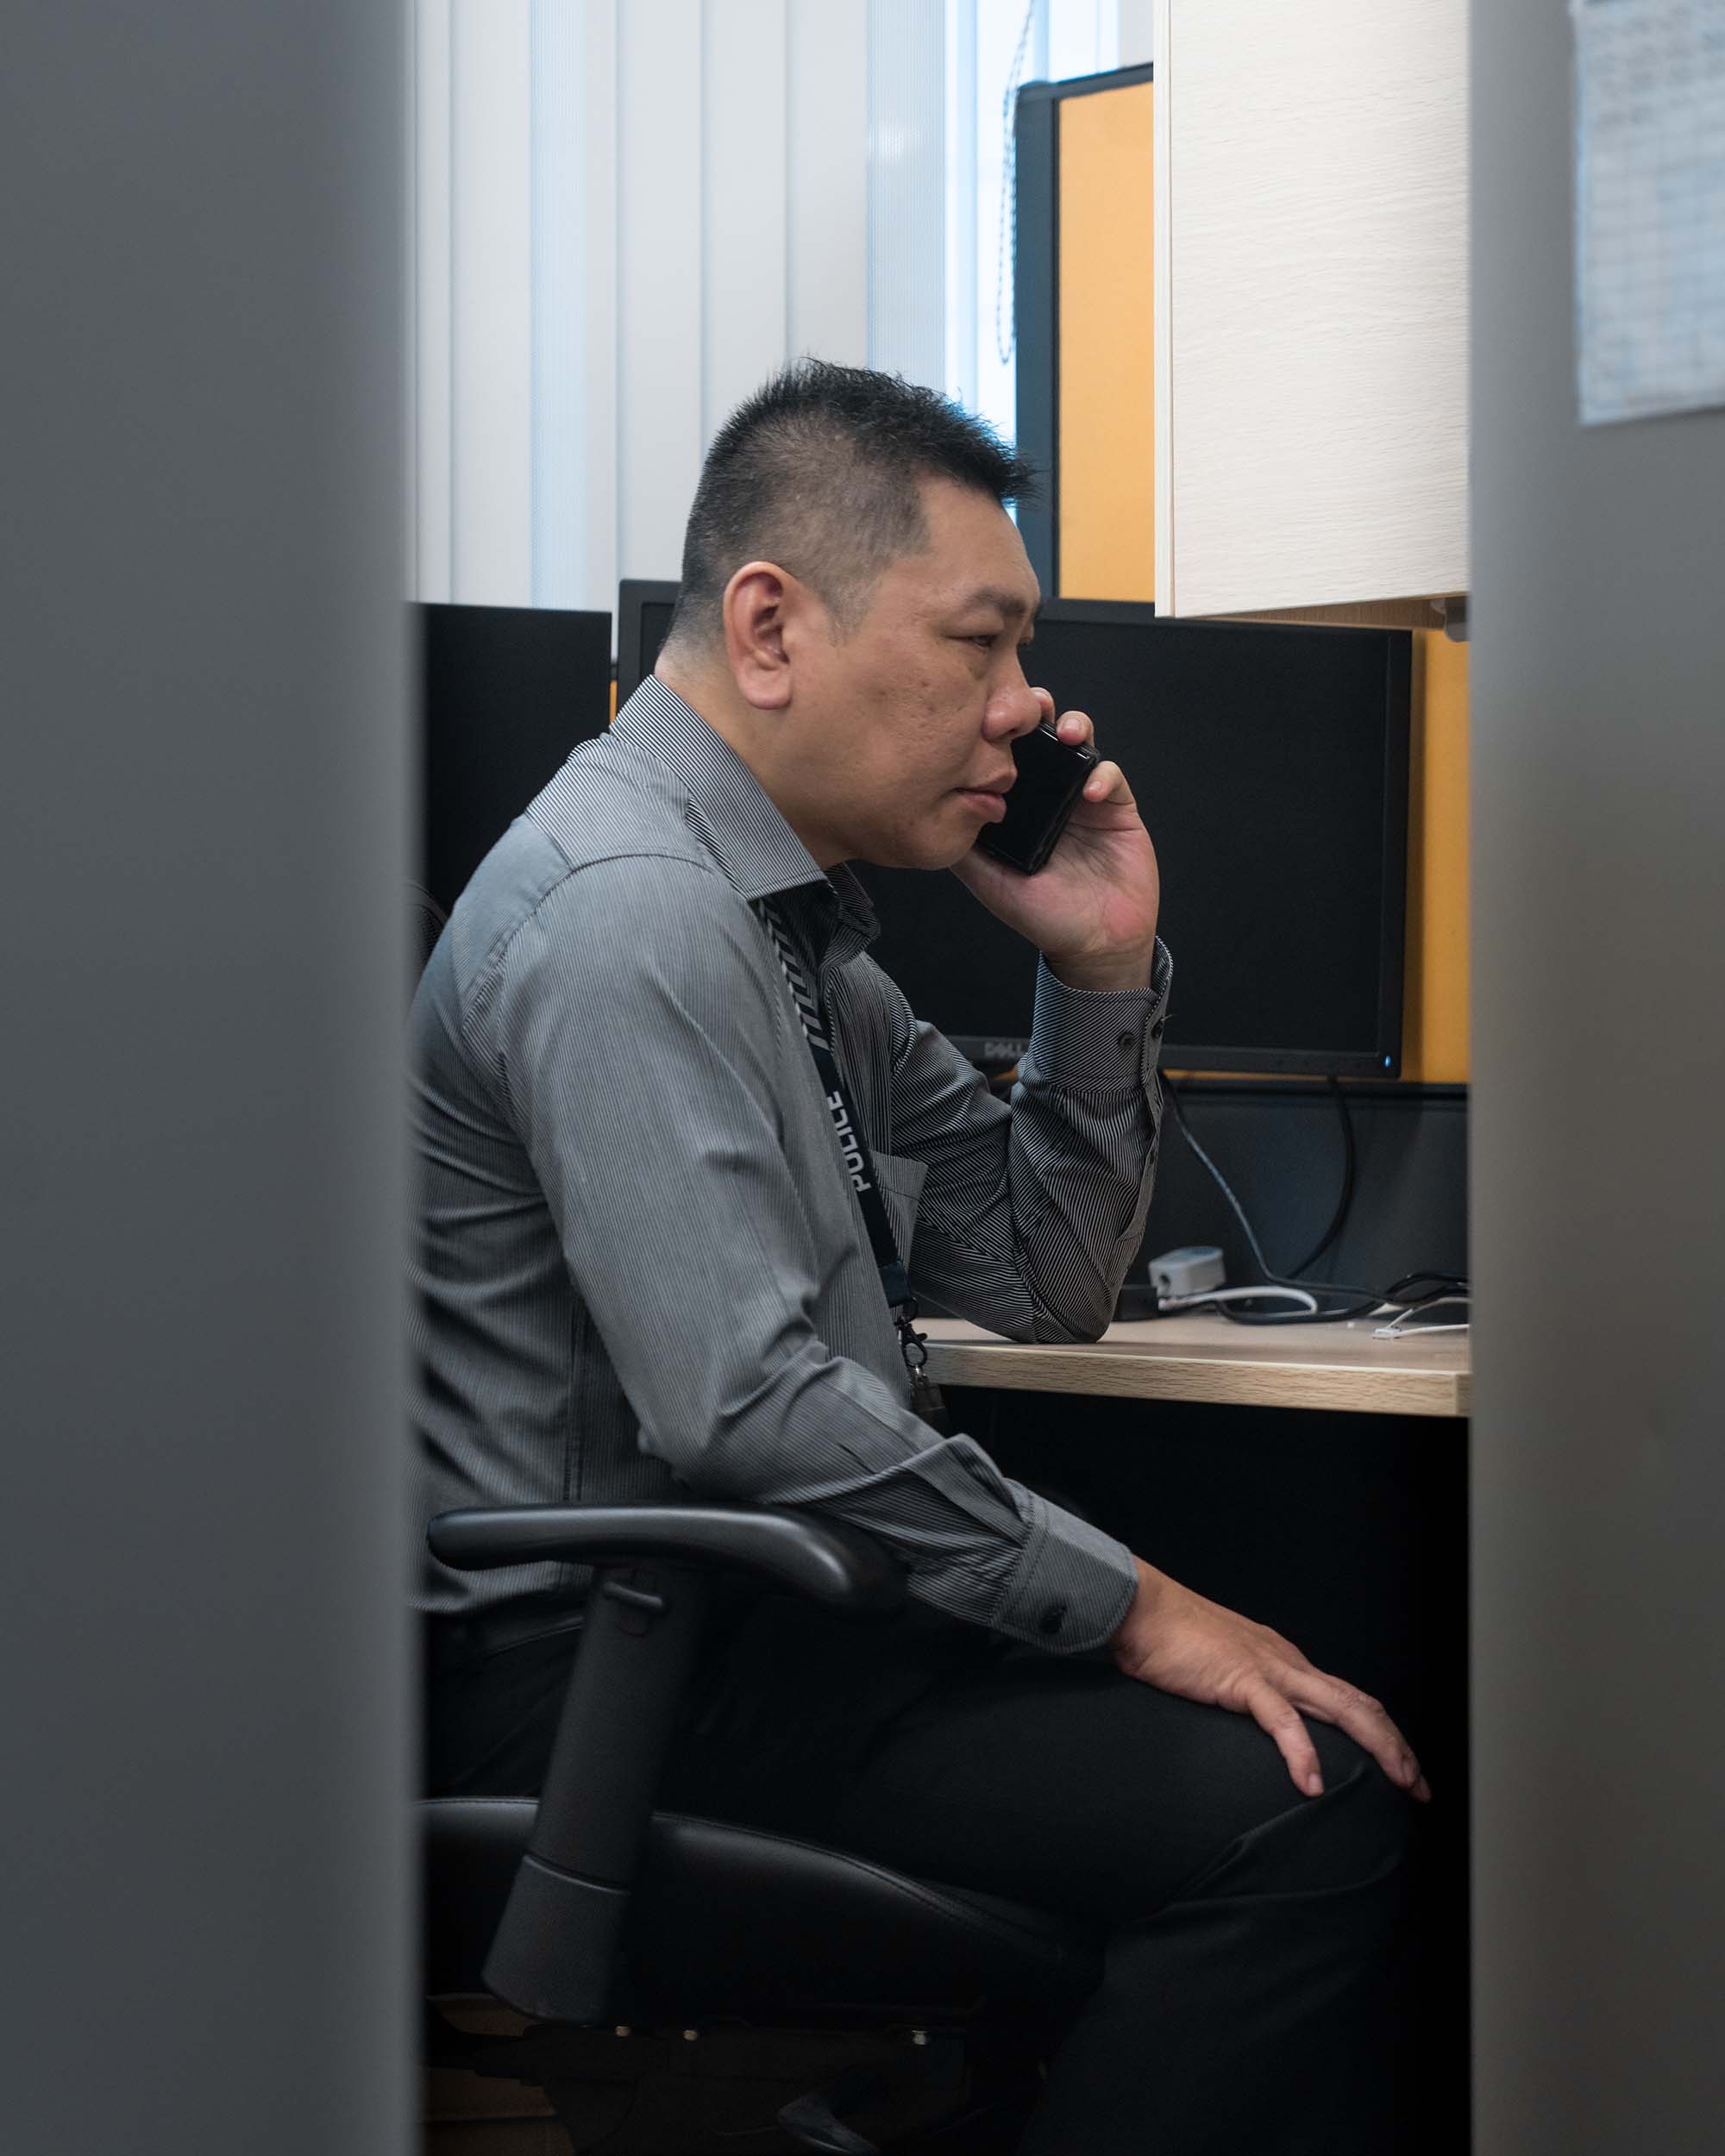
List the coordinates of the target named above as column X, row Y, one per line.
column 1191, row 1278
column 1193, row 1270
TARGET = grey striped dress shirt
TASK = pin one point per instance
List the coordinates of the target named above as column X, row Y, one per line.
column 642, row 1272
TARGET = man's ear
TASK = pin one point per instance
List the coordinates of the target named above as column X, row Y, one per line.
column 761, row 601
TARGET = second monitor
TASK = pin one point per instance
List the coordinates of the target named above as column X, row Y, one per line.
column 505, row 693
column 1270, row 765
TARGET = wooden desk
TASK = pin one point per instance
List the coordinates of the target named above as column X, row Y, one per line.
column 1339, row 1367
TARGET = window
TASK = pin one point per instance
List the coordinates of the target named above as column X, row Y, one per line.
column 943, row 79
column 993, row 45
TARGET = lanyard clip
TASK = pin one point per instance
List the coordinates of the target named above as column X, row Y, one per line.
column 926, row 1400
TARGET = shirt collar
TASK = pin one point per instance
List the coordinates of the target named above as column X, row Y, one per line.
column 760, row 853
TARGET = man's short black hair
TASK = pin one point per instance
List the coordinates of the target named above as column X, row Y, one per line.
column 818, row 472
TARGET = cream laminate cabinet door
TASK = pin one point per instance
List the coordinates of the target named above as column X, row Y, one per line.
column 1311, row 316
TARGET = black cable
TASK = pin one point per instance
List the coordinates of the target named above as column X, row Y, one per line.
column 1446, row 1287
column 1450, row 1281
column 1271, row 1276
column 1345, row 1200
column 1363, row 1300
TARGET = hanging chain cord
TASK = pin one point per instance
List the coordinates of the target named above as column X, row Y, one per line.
column 1005, row 333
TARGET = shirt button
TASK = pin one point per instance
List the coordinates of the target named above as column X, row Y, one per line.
column 1123, row 1041
column 1051, row 1619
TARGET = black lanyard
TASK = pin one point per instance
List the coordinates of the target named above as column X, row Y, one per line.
column 859, row 1164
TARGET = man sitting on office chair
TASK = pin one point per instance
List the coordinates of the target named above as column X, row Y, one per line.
column 657, row 1074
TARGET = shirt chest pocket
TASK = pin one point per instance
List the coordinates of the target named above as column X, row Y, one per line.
column 901, row 1182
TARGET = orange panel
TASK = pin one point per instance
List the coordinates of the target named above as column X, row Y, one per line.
column 1435, row 1030
column 1107, row 493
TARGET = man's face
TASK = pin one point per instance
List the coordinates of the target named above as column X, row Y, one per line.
column 904, row 728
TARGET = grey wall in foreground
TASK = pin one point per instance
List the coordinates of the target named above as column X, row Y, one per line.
column 202, row 1697
column 1598, row 1192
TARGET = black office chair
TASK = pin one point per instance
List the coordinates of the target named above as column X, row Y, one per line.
column 697, row 1989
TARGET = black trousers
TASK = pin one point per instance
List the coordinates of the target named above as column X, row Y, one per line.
column 1251, row 1930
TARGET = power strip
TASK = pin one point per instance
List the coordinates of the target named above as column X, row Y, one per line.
column 1193, row 1270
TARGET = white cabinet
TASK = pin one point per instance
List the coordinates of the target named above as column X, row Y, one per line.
column 1311, row 305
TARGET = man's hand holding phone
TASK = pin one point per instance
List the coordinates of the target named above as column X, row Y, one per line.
column 1091, row 909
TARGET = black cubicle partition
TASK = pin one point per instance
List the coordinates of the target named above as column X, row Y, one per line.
column 506, row 692
column 1286, row 1154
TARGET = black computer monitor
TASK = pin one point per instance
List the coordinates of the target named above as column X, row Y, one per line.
column 1271, row 766
column 643, row 614
column 505, row 692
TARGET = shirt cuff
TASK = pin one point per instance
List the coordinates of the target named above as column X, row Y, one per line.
column 1096, row 1037
column 1072, row 1587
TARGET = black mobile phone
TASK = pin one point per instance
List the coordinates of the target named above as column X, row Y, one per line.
column 1051, row 775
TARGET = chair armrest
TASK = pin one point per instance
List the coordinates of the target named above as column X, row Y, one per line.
column 841, row 1567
